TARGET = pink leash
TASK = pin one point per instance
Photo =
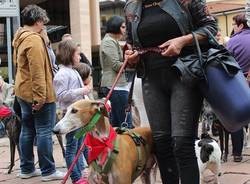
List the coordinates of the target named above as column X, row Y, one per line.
column 105, row 102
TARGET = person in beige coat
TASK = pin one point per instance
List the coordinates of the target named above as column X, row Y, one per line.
column 111, row 59
column 35, row 94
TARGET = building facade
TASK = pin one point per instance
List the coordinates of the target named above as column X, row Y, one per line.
column 81, row 18
column 86, row 20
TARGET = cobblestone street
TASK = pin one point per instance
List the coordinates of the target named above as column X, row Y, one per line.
column 232, row 173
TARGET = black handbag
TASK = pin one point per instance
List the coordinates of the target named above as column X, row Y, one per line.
column 192, row 67
column 221, row 82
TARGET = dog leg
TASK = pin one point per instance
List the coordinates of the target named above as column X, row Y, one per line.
column 247, row 137
column 203, row 129
column 215, row 169
column 136, row 119
column 202, row 178
column 226, row 144
column 95, row 178
column 12, row 155
column 244, row 138
column 148, row 175
column 59, row 138
column 221, row 137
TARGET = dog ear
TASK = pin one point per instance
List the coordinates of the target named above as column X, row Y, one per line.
column 205, row 152
column 100, row 106
column 96, row 105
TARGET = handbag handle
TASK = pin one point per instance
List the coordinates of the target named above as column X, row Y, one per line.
column 211, row 37
column 199, row 53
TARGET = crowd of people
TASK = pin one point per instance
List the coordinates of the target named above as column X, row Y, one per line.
column 46, row 80
column 43, row 81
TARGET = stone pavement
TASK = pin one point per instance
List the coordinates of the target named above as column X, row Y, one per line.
column 232, row 173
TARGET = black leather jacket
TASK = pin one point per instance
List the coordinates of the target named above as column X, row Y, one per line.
column 190, row 15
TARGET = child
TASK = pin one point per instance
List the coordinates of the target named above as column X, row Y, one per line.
column 69, row 88
column 85, row 72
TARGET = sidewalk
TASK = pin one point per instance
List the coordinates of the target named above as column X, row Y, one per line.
column 232, row 173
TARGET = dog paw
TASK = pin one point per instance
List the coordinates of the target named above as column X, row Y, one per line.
column 248, row 146
column 6, row 172
column 224, row 158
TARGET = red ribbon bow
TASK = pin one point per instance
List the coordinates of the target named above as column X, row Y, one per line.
column 98, row 146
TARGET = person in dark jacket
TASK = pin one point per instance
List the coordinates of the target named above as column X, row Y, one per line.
column 173, row 108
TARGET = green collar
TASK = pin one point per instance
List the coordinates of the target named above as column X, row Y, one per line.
column 90, row 126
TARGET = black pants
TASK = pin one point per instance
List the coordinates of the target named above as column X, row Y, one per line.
column 237, row 142
column 173, row 110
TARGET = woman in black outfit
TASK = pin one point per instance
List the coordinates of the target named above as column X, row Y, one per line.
column 172, row 107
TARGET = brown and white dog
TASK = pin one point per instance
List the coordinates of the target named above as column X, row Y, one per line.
column 125, row 164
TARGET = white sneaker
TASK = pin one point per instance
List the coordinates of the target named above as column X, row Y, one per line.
column 35, row 173
column 58, row 175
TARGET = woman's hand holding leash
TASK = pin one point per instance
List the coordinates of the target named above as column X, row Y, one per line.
column 131, row 56
column 174, row 46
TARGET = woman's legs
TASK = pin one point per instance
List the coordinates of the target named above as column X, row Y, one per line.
column 157, row 104
column 37, row 124
column 186, row 159
column 173, row 110
column 186, row 105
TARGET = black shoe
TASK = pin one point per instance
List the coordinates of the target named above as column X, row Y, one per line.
column 237, row 158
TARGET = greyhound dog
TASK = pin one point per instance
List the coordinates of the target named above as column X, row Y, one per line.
column 124, row 168
column 12, row 126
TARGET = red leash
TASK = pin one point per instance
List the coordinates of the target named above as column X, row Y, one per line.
column 105, row 102
column 116, row 79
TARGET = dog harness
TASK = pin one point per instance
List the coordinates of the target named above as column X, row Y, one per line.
column 138, row 140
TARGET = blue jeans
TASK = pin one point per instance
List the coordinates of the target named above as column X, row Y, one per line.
column 119, row 102
column 72, row 147
column 39, row 125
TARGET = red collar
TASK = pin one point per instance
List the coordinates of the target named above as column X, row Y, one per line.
column 98, row 147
